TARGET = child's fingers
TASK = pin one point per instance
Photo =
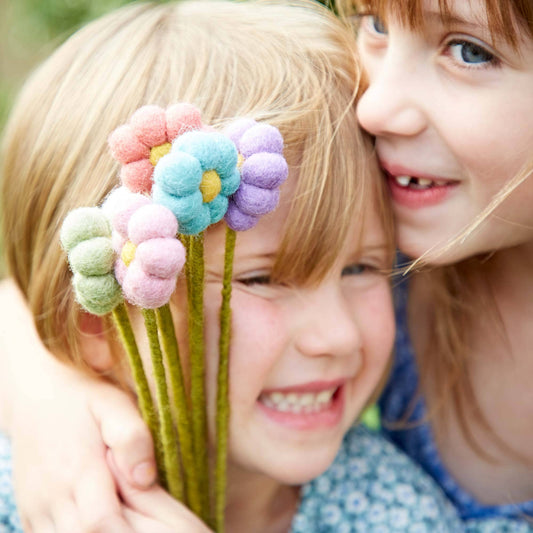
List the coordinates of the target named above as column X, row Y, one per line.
column 156, row 504
column 125, row 433
column 99, row 507
column 66, row 518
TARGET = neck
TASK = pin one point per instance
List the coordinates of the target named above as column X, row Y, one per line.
column 258, row 504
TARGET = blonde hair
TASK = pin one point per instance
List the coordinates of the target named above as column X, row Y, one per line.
column 458, row 292
column 292, row 65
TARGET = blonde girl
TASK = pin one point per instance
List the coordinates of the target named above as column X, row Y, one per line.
column 312, row 315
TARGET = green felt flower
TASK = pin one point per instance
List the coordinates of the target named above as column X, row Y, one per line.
column 86, row 237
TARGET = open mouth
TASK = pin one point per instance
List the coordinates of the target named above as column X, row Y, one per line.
column 299, row 403
column 417, row 192
column 411, row 182
column 304, row 410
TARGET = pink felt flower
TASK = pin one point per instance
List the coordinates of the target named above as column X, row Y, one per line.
column 149, row 254
column 139, row 144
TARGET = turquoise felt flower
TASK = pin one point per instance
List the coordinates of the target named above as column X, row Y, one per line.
column 86, row 237
column 195, row 179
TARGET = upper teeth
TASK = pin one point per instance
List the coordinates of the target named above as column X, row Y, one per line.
column 405, row 181
column 293, row 402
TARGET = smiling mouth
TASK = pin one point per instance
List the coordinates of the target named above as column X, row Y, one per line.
column 412, row 182
column 299, row 403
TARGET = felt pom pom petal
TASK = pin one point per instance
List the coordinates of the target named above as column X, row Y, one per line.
column 263, row 169
column 146, row 138
column 86, row 236
column 196, row 178
column 150, row 256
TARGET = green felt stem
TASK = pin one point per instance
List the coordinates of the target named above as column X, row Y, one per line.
column 183, row 418
column 171, row 457
column 195, row 289
column 142, row 389
column 223, row 408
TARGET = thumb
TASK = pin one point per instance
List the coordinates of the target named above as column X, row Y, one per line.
column 125, row 433
column 157, row 504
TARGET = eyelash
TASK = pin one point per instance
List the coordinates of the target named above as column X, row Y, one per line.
column 491, row 60
column 255, row 280
column 358, row 268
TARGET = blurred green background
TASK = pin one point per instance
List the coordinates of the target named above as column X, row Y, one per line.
column 29, row 31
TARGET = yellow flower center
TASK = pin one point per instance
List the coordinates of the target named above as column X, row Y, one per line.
column 128, row 253
column 240, row 161
column 157, row 152
column 210, row 186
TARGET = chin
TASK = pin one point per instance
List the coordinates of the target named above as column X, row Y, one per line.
column 303, row 467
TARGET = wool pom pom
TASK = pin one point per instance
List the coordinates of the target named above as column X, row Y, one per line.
column 98, row 295
column 182, row 118
column 148, row 292
column 149, row 125
column 195, row 179
column 126, row 147
column 152, row 222
column 253, row 200
column 263, row 169
column 82, row 224
column 93, row 257
column 137, row 175
column 161, row 258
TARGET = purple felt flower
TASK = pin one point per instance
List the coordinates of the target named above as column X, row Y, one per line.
column 149, row 255
column 263, row 169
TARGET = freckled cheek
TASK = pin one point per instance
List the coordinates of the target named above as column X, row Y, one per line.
column 376, row 319
column 257, row 343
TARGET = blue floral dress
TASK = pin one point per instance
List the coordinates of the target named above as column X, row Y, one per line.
column 419, row 443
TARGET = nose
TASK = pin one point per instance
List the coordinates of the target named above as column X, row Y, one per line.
column 327, row 324
column 393, row 103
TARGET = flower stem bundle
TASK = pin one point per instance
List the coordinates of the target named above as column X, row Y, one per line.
column 178, row 179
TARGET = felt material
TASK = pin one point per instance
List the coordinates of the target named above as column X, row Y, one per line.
column 142, row 389
column 263, row 169
column 148, row 272
column 97, row 294
column 238, row 220
column 151, row 222
column 82, row 224
column 126, row 147
column 149, row 125
column 94, row 257
column 86, row 236
column 157, row 152
column 137, row 176
column 195, row 291
column 183, row 416
column 145, row 139
column 210, row 185
column 178, row 177
column 254, row 200
column 120, row 204
column 171, row 457
column 223, row 406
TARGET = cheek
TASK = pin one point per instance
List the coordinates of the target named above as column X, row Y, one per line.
column 375, row 317
column 256, row 342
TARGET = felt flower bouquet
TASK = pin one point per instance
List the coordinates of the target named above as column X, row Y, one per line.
column 178, row 177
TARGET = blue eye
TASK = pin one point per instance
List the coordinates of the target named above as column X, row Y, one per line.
column 354, row 270
column 377, row 25
column 470, row 53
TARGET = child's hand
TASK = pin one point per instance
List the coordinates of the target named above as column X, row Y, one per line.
column 154, row 510
column 60, row 472
column 61, row 424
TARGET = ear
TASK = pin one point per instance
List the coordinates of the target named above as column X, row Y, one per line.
column 94, row 343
